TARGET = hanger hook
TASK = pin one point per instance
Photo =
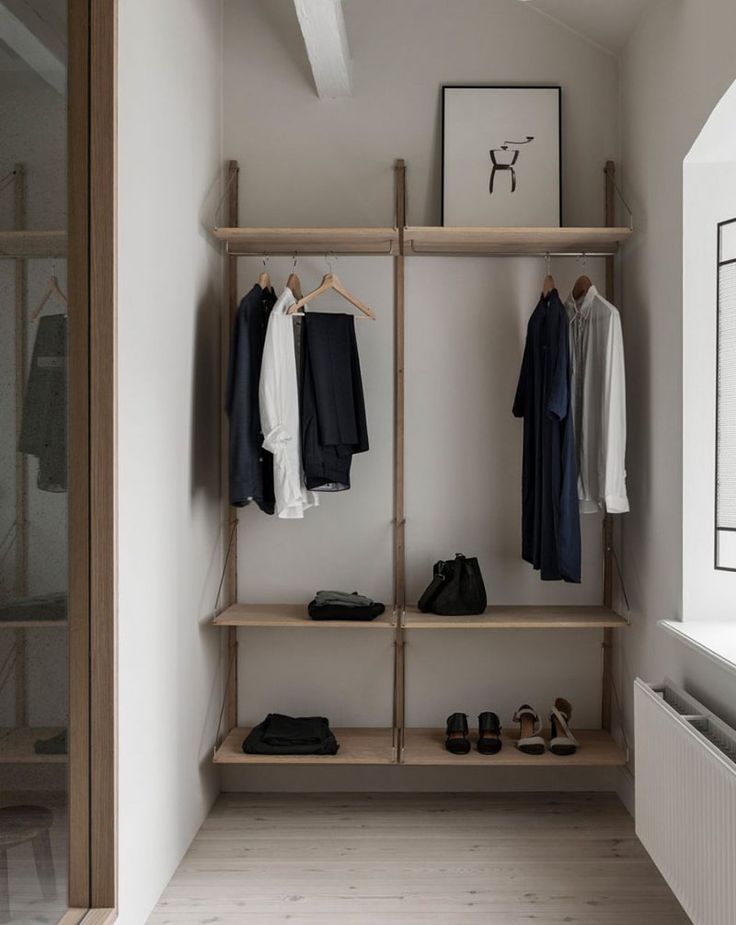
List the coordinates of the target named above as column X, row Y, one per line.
column 328, row 260
column 293, row 266
column 266, row 259
column 548, row 259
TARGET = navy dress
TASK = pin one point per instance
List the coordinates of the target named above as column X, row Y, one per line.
column 550, row 514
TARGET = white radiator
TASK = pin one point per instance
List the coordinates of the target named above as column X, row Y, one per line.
column 686, row 799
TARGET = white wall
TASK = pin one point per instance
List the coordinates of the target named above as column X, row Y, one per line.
column 311, row 162
column 674, row 71
column 168, row 396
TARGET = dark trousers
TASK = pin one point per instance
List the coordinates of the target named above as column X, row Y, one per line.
column 333, row 419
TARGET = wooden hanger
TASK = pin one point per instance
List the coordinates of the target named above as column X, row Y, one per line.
column 330, row 281
column 548, row 285
column 264, row 280
column 52, row 289
column 581, row 287
column 294, row 283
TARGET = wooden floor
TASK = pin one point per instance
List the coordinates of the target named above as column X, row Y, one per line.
column 397, row 859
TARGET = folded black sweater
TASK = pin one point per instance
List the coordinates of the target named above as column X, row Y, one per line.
column 288, row 735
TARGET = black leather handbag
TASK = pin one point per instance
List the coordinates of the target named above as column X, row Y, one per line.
column 456, row 589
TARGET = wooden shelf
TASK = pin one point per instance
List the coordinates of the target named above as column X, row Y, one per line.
column 518, row 617
column 292, row 616
column 17, row 746
column 304, row 241
column 357, row 746
column 29, row 244
column 427, row 747
column 519, row 242
column 423, row 240
column 30, row 624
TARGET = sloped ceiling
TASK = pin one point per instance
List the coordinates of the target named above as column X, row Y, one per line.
column 608, row 23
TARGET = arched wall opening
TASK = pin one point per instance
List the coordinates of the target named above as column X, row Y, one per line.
column 709, row 368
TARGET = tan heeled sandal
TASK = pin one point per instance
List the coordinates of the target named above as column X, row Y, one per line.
column 530, row 725
column 562, row 741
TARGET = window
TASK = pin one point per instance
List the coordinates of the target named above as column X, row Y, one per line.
column 725, row 526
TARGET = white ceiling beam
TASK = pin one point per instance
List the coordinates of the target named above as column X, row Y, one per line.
column 17, row 35
column 323, row 28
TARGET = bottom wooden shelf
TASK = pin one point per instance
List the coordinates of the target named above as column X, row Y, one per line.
column 357, row 746
column 427, row 747
column 17, row 746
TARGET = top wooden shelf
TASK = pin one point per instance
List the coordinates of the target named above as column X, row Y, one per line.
column 423, row 241
column 241, row 242
column 29, row 244
column 513, row 242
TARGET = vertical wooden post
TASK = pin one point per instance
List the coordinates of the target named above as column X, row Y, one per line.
column 21, row 461
column 103, row 448
column 607, row 679
column 78, row 513
column 230, row 517
column 399, row 508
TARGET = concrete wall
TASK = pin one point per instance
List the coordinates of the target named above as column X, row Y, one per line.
column 169, row 506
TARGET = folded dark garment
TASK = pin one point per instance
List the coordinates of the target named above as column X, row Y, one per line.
column 44, row 608
column 287, row 735
column 288, row 730
column 345, row 611
column 349, row 598
column 56, row 745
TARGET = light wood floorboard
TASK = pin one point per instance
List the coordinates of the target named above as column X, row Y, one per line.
column 397, row 859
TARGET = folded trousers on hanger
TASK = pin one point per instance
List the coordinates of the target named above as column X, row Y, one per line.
column 333, row 421
column 289, row 735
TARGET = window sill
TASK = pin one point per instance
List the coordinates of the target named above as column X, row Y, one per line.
column 715, row 639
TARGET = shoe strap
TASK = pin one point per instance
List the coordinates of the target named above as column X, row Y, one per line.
column 457, row 722
column 526, row 710
column 489, row 722
column 561, row 719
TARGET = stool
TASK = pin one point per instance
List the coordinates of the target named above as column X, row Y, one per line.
column 18, row 825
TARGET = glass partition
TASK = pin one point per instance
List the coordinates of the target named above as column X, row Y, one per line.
column 33, row 461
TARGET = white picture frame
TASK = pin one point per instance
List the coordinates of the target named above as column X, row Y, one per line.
column 501, row 156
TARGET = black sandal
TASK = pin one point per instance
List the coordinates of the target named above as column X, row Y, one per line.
column 489, row 734
column 457, row 740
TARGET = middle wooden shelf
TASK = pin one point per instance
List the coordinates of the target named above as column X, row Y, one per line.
column 293, row 616
column 529, row 616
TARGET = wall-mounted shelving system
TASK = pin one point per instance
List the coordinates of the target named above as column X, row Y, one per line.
column 397, row 744
column 20, row 245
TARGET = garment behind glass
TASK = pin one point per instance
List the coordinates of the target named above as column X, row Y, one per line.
column 44, row 426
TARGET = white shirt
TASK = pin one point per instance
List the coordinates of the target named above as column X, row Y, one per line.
column 278, row 396
column 598, row 392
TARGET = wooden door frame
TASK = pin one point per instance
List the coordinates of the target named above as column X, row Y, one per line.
column 93, row 454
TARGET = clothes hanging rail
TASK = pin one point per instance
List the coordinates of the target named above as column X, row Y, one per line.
column 397, row 744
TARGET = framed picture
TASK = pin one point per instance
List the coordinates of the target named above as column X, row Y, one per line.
column 501, row 156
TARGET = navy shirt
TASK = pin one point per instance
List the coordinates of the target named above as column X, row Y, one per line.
column 550, row 523
column 251, row 467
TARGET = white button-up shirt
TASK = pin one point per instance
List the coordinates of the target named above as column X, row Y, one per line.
column 278, row 395
column 598, row 392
